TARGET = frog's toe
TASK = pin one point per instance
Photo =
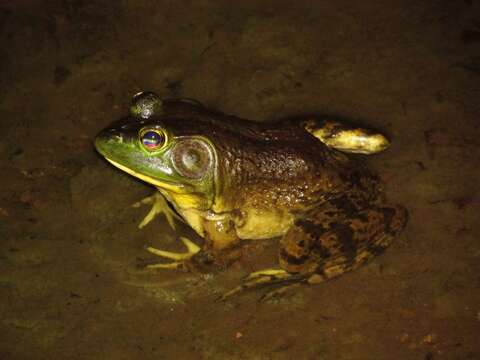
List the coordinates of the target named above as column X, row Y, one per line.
column 179, row 258
column 264, row 278
column 257, row 282
column 280, row 291
column 159, row 206
column 176, row 265
column 266, row 272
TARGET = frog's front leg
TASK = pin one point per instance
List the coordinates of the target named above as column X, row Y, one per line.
column 159, row 206
column 179, row 259
column 327, row 243
column 218, row 251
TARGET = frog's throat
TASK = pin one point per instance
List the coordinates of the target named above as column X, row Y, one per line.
column 176, row 188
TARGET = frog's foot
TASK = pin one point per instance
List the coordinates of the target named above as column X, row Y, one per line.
column 180, row 259
column 159, row 206
column 267, row 277
column 346, row 138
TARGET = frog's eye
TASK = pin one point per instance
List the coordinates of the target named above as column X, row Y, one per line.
column 152, row 139
column 192, row 158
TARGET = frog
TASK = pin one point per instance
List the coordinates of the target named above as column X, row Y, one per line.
column 301, row 180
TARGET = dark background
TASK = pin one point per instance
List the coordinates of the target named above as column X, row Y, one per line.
column 69, row 284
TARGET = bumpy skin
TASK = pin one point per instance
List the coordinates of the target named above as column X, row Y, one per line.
column 338, row 237
column 264, row 180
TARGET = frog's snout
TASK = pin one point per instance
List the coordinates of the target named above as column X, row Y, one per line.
column 119, row 133
column 106, row 138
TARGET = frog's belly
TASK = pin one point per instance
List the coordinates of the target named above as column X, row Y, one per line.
column 255, row 224
column 263, row 224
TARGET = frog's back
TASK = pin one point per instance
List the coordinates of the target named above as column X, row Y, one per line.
column 276, row 163
column 185, row 113
column 286, row 167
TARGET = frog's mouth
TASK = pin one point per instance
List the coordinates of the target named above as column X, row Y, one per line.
column 163, row 184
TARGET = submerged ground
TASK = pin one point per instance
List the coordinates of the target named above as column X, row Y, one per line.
column 69, row 243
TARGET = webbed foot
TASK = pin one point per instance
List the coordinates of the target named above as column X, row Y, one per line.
column 159, row 206
column 265, row 278
column 180, row 259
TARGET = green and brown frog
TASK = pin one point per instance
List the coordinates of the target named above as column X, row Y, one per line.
column 234, row 180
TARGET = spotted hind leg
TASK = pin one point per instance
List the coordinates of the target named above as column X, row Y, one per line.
column 328, row 243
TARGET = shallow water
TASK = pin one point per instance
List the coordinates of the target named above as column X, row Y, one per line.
column 70, row 287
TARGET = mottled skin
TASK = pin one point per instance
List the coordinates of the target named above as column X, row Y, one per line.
column 261, row 180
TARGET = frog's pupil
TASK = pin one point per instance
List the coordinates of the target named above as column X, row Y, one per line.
column 152, row 139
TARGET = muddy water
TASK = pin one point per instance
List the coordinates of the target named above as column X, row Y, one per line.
column 70, row 287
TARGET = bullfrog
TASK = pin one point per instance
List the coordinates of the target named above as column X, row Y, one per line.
column 235, row 181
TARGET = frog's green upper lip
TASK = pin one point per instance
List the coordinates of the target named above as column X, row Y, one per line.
column 163, row 184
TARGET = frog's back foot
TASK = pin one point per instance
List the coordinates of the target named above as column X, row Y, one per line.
column 322, row 250
column 346, row 138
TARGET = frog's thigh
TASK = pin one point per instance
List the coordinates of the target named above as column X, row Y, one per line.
column 323, row 247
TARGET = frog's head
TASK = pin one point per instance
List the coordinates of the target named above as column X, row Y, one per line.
column 182, row 165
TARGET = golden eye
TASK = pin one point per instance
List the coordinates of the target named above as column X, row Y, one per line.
column 152, row 139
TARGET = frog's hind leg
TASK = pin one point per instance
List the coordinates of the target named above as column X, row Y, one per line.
column 322, row 250
column 328, row 244
column 346, row 138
